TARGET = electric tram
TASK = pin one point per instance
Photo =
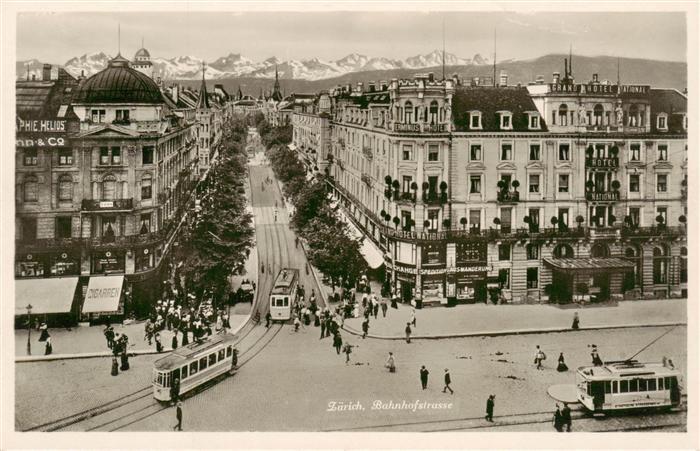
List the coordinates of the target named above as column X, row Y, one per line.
column 284, row 294
column 628, row 385
column 194, row 364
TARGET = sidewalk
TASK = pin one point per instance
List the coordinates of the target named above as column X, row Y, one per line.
column 482, row 319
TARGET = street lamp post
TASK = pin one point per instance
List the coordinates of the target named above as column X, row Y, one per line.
column 29, row 329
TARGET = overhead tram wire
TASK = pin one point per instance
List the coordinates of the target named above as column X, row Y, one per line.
column 654, row 341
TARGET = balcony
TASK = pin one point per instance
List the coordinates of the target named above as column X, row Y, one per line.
column 367, row 152
column 603, row 196
column 508, row 196
column 432, row 198
column 603, row 163
column 655, row 231
column 107, row 205
column 366, row 179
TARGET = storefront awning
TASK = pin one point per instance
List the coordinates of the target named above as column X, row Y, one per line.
column 368, row 249
column 103, row 294
column 53, row 295
column 590, row 264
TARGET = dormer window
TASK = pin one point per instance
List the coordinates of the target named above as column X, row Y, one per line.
column 534, row 121
column 662, row 121
column 475, row 120
column 506, row 120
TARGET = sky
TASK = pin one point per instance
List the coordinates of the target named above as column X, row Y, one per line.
column 332, row 35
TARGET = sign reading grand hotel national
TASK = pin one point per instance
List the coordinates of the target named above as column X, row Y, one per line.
column 598, row 89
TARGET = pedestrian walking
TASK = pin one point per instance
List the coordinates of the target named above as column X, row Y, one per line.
column 390, row 363
column 365, row 328
column 337, row 343
column 44, row 332
column 574, row 324
column 375, row 308
column 557, row 420
column 175, row 391
column 49, row 348
column 178, row 415
column 323, row 329
column 566, row 417
column 297, row 323
column 262, row 268
column 174, row 341
column 489, row 407
column 408, row 332
column 561, row 367
column 347, row 349
column 159, row 345
column 595, row 358
column 268, row 318
column 448, row 381
column 384, row 308
column 185, row 338
column 424, row 377
column 539, row 357
column 109, row 335
column 413, row 316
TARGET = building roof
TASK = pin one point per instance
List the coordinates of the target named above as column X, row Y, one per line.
column 590, row 264
column 119, row 83
column 490, row 101
column 671, row 102
column 46, row 98
column 142, row 53
column 187, row 352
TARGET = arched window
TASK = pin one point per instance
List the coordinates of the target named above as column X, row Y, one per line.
column 563, row 114
column 563, row 251
column 433, row 112
column 146, row 182
column 408, row 112
column 31, row 189
column 598, row 114
column 660, row 265
column 65, row 187
column 633, row 278
column 600, row 250
column 109, row 187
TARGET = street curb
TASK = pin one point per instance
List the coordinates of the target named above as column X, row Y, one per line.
column 512, row 332
column 321, row 294
column 86, row 355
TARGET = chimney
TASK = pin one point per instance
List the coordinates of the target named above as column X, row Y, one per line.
column 360, row 87
column 383, row 85
column 539, row 80
column 372, row 86
column 555, row 77
column 33, row 77
column 175, row 92
column 595, row 78
column 46, row 72
column 504, row 78
column 431, row 77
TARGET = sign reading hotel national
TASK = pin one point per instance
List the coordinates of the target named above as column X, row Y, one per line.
column 598, row 89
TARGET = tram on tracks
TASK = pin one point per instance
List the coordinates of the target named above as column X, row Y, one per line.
column 628, row 385
column 284, row 294
column 194, row 364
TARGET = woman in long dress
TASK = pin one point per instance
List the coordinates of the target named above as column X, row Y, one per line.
column 562, row 365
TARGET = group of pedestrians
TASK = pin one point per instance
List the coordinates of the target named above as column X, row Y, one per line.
column 562, row 418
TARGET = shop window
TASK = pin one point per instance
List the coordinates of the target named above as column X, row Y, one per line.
column 532, row 277
column 63, row 227
column 475, row 152
column 634, row 183
column 506, row 152
column 474, row 184
column 534, row 185
column 146, row 187
column 65, row 188
column 564, row 152
column 504, row 252
column 31, row 189
column 147, row 155
column 30, row 157
column 533, row 251
column 65, row 265
column 563, row 185
column 534, row 152
column 65, row 157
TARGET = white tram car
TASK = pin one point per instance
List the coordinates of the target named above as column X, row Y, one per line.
column 284, row 294
column 194, row 364
column 628, row 385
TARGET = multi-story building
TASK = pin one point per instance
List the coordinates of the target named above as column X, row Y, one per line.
column 103, row 206
column 472, row 193
column 209, row 120
column 311, row 129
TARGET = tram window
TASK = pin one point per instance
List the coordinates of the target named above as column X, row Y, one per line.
column 193, row 368
column 642, row 385
column 202, row 363
column 624, row 386
column 661, row 383
column 222, row 353
column 286, row 301
column 634, row 385
column 184, row 372
column 166, row 380
column 588, row 388
column 614, row 387
column 608, row 387
column 229, row 351
column 160, row 379
column 667, row 383
column 212, row 359
column 176, row 374
column 651, row 384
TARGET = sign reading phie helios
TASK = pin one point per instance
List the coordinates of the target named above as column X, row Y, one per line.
column 40, row 126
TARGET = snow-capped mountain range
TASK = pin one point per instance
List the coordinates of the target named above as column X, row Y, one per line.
column 237, row 65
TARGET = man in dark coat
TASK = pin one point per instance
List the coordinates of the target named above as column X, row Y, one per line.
column 489, row 407
column 408, row 332
column 337, row 343
column 424, row 377
column 178, row 415
column 448, row 381
column 566, row 417
column 175, row 390
column 365, row 328
column 323, row 328
column 268, row 318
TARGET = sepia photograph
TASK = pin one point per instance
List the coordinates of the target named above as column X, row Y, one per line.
column 348, row 219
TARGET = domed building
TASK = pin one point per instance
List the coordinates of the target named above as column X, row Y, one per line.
column 142, row 62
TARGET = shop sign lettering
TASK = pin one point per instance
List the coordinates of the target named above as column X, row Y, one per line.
column 41, row 126
column 52, row 141
column 598, row 89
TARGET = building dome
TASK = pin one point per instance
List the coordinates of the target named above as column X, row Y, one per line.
column 142, row 53
column 119, row 83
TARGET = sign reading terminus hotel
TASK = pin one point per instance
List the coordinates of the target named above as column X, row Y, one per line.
column 598, row 89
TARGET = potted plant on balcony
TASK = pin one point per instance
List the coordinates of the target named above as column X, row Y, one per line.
column 397, row 221
column 579, row 220
column 426, row 224
column 611, row 220
column 414, row 187
column 589, row 151
column 660, row 222
column 463, row 221
column 614, row 150
column 396, row 185
column 387, row 180
column 590, row 185
column 682, row 219
column 387, row 193
column 446, row 223
column 516, row 185
column 443, row 192
column 615, row 185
